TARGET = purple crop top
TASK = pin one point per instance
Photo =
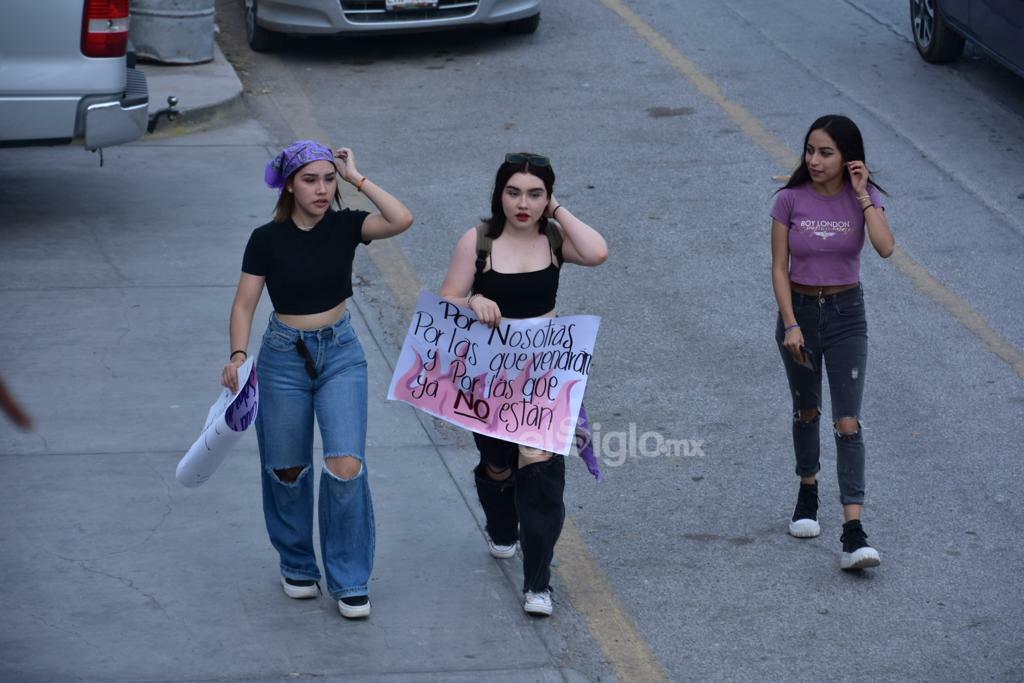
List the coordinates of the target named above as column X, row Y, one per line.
column 826, row 234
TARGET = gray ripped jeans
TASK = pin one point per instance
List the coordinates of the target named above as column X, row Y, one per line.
column 835, row 329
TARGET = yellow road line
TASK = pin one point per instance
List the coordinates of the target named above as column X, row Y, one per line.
column 927, row 283
column 747, row 122
column 593, row 596
column 960, row 309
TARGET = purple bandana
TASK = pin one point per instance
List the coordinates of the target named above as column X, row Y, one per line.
column 295, row 156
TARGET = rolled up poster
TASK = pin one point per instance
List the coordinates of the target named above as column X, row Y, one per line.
column 227, row 420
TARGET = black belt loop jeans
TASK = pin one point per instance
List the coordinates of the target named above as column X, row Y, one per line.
column 835, row 329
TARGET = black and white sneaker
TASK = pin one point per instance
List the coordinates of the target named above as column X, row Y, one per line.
column 354, row 606
column 857, row 554
column 805, row 516
column 300, row 589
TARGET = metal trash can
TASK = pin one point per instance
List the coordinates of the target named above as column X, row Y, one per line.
column 173, row 31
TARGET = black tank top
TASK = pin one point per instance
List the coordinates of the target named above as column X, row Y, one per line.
column 521, row 295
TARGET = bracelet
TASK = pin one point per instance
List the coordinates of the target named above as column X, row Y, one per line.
column 241, row 351
column 470, row 299
column 862, row 197
column 865, row 207
column 556, row 210
column 359, row 185
column 791, row 327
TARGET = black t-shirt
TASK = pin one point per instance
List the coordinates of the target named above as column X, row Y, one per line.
column 307, row 271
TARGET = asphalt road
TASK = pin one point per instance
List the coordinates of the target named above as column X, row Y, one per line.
column 668, row 123
column 695, row 547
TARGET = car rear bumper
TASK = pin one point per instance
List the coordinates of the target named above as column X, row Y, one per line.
column 99, row 120
column 120, row 121
column 311, row 17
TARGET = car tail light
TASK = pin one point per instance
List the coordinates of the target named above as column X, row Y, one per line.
column 105, row 28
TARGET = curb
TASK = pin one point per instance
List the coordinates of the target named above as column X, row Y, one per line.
column 201, row 117
column 208, row 93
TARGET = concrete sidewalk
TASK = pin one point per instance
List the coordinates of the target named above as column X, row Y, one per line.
column 206, row 93
column 113, row 315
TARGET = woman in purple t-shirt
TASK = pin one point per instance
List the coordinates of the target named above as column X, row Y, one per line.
column 819, row 221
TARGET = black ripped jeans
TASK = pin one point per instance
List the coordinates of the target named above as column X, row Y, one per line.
column 835, row 329
column 526, row 507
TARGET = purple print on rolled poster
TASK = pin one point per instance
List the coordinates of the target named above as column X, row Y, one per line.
column 242, row 410
column 228, row 418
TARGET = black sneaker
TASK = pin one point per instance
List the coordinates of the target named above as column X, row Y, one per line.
column 805, row 516
column 300, row 589
column 354, row 606
column 857, row 554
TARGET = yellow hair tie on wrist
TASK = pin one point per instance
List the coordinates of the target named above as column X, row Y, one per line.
column 359, row 185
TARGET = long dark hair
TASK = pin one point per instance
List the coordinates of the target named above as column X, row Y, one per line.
column 497, row 220
column 849, row 141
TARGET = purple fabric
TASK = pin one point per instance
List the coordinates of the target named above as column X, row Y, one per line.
column 585, row 444
column 295, row 156
column 826, row 234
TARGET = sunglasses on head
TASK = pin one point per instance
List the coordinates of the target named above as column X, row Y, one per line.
column 524, row 158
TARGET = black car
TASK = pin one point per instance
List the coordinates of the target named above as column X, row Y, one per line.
column 940, row 28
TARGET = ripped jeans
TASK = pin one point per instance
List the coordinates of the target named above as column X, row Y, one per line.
column 526, row 506
column 289, row 399
column 835, row 329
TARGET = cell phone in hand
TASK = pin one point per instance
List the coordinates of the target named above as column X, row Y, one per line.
column 808, row 361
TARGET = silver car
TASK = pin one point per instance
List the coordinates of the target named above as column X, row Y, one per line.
column 64, row 75
column 267, row 21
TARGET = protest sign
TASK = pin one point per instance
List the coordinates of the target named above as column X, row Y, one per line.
column 522, row 381
column 228, row 418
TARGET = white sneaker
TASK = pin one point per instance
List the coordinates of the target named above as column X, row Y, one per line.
column 804, row 523
column 300, row 589
column 354, row 607
column 502, row 552
column 804, row 528
column 538, row 603
column 861, row 558
column 857, row 552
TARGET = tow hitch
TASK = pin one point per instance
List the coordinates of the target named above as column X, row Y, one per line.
column 169, row 111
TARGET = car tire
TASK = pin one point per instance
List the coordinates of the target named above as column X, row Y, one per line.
column 259, row 38
column 524, row 27
column 935, row 40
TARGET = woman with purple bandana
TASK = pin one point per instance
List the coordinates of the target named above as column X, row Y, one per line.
column 311, row 363
column 819, row 222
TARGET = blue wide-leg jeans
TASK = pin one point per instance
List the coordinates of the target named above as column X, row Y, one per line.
column 289, row 400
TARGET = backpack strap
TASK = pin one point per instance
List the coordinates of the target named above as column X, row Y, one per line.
column 483, row 246
column 554, row 233
column 485, row 241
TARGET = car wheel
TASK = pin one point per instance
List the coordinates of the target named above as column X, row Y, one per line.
column 259, row 38
column 934, row 39
column 525, row 26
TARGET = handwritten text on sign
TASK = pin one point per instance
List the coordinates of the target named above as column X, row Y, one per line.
column 522, row 381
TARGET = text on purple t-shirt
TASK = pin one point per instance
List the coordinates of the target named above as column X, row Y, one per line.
column 826, row 233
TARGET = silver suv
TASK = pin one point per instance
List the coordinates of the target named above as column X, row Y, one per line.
column 64, row 75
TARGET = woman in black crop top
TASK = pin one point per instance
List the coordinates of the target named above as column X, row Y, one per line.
column 520, row 488
column 311, row 363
